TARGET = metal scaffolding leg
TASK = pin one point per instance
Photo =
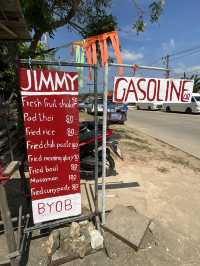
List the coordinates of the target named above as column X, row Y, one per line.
column 104, row 142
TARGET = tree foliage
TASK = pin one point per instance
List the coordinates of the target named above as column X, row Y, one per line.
column 196, row 79
column 153, row 13
column 87, row 17
column 48, row 15
column 9, row 53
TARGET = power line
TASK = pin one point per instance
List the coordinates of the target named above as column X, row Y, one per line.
column 195, row 72
column 185, row 51
column 188, row 54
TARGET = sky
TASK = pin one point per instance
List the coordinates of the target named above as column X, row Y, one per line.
column 178, row 29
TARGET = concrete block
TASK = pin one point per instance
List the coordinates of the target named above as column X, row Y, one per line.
column 127, row 224
column 53, row 242
column 74, row 230
column 96, row 239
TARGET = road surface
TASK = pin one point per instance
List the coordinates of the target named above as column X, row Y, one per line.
column 177, row 129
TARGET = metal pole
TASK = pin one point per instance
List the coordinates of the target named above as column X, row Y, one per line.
column 140, row 67
column 104, row 142
column 65, row 63
column 96, row 140
column 8, row 226
column 6, row 123
column 167, row 66
column 52, row 63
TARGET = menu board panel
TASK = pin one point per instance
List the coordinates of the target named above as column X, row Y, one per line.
column 51, row 121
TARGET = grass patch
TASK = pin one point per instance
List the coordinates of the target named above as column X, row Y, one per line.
column 85, row 117
column 121, row 136
column 179, row 160
column 132, row 146
column 162, row 170
column 130, row 142
column 140, row 140
column 124, row 134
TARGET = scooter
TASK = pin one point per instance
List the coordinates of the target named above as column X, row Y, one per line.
column 87, row 150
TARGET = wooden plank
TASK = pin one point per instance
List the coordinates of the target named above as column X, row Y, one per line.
column 2, row 132
column 4, row 261
column 9, row 31
column 3, row 141
column 11, row 168
column 8, row 227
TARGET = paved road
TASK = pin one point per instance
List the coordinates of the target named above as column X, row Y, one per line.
column 180, row 130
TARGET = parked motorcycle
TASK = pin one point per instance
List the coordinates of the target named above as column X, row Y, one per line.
column 87, row 150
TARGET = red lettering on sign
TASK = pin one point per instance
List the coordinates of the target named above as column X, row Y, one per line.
column 41, row 208
column 183, row 92
column 116, row 90
column 177, row 91
column 167, row 91
column 59, row 206
column 141, row 89
column 68, row 205
column 50, row 206
column 149, row 90
column 37, row 80
column 54, row 207
column 158, row 92
column 131, row 89
column 135, row 89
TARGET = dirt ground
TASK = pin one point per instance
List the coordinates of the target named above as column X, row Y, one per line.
column 162, row 183
column 168, row 181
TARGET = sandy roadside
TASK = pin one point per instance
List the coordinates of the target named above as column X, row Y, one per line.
column 168, row 179
column 164, row 185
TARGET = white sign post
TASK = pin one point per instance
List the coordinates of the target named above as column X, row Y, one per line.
column 147, row 90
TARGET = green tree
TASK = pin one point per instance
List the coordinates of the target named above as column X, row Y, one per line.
column 196, row 79
column 9, row 52
column 87, row 17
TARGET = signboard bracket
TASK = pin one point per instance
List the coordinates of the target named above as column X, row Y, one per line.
column 105, row 92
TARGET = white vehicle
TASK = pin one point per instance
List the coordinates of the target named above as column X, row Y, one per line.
column 90, row 108
column 192, row 107
column 149, row 106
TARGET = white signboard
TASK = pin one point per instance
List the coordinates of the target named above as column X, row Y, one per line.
column 139, row 89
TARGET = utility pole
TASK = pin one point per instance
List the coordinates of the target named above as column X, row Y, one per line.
column 167, row 66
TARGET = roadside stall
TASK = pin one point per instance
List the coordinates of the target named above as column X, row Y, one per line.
column 52, row 128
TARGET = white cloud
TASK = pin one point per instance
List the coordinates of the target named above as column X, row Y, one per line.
column 172, row 43
column 193, row 68
column 131, row 56
column 187, row 69
column 168, row 46
column 162, row 2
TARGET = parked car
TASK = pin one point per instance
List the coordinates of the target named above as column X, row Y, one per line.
column 83, row 106
column 192, row 107
column 149, row 106
column 117, row 113
column 121, row 107
column 90, row 108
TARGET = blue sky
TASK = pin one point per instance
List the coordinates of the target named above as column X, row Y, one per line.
column 178, row 29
